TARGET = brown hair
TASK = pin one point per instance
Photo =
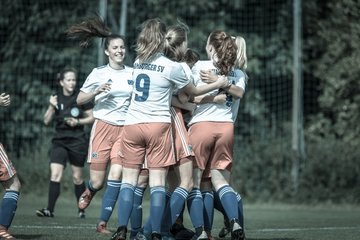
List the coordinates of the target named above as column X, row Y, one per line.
column 61, row 75
column 174, row 38
column 225, row 50
column 191, row 57
column 90, row 28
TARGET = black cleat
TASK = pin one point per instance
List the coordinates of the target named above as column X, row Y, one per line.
column 237, row 233
column 156, row 236
column 120, row 233
column 44, row 213
column 226, row 229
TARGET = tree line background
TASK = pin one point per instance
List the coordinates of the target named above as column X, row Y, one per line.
column 33, row 48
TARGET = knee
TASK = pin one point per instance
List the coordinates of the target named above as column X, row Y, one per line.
column 97, row 183
column 15, row 185
column 56, row 176
column 188, row 184
column 77, row 180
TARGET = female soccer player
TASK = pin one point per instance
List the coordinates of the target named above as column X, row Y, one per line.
column 147, row 130
column 10, row 182
column 110, row 86
column 207, row 76
column 211, row 130
column 70, row 142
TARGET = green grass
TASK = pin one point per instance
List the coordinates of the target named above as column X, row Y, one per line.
column 262, row 221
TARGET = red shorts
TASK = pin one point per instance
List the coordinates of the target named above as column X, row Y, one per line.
column 183, row 148
column 7, row 170
column 213, row 144
column 104, row 143
column 153, row 140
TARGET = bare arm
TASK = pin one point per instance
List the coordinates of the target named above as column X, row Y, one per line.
column 87, row 119
column 208, row 77
column 50, row 112
column 186, row 106
column 193, row 90
column 83, row 97
column 219, row 99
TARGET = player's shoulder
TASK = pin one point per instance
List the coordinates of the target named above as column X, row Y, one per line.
column 128, row 68
column 202, row 64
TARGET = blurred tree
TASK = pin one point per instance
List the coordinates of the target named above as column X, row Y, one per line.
column 332, row 33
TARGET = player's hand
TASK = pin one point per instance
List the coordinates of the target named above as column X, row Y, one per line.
column 183, row 97
column 5, row 99
column 220, row 98
column 106, row 87
column 53, row 101
column 72, row 122
column 207, row 76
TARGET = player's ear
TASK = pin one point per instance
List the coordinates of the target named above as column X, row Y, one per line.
column 107, row 52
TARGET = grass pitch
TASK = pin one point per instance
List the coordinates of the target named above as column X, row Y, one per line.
column 262, row 221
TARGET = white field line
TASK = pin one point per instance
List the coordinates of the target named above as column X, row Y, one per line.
column 303, row 229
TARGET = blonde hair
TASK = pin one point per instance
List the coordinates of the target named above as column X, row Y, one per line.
column 241, row 59
column 151, row 39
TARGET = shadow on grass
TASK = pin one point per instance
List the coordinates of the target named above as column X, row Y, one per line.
column 28, row 236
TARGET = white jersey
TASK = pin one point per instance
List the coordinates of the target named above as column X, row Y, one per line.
column 110, row 107
column 154, row 83
column 211, row 112
column 188, row 75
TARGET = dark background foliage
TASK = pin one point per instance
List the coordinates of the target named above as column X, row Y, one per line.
column 34, row 48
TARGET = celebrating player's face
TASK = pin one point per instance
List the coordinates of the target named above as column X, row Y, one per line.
column 116, row 51
column 69, row 82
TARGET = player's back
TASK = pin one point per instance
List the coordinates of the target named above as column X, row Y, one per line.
column 154, row 83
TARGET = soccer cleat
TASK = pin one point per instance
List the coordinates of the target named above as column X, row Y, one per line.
column 44, row 213
column 201, row 236
column 101, row 228
column 156, row 236
column 139, row 236
column 226, row 229
column 237, row 233
column 5, row 235
column 184, row 234
column 120, row 233
column 82, row 214
column 85, row 199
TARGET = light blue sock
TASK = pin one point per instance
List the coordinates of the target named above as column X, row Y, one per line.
column 177, row 202
column 229, row 202
column 196, row 208
column 157, row 207
column 240, row 209
column 8, row 208
column 126, row 201
column 166, row 221
column 136, row 214
column 109, row 199
column 208, row 198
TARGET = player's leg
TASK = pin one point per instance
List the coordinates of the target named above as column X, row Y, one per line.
column 99, row 155
column 137, row 213
column 11, row 184
column 110, row 196
column 208, row 198
column 228, row 200
column 79, row 185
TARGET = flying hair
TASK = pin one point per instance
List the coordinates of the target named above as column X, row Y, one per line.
column 87, row 30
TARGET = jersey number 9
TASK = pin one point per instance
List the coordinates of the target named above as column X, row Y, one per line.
column 142, row 85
